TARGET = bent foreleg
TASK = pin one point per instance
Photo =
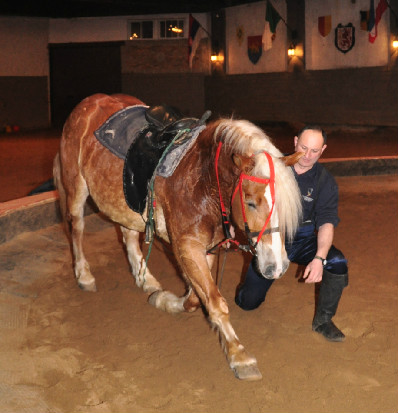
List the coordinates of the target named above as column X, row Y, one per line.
column 198, row 272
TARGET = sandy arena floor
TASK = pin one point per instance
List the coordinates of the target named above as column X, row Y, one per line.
column 63, row 350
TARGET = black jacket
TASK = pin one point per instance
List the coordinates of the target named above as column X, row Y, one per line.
column 320, row 196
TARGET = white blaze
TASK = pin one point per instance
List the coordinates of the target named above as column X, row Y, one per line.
column 276, row 238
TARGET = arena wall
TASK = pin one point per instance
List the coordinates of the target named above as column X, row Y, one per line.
column 158, row 72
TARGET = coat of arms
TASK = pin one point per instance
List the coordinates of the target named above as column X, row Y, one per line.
column 254, row 48
column 344, row 37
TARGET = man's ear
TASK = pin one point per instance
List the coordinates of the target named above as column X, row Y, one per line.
column 292, row 159
column 244, row 163
column 295, row 141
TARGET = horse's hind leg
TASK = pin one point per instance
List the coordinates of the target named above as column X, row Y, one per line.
column 142, row 275
column 72, row 198
column 75, row 215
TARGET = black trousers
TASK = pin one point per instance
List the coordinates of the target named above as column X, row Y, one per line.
column 301, row 251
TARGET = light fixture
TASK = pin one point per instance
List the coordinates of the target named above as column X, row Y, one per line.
column 395, row 44
column 176, row 29
column 291, row 51
column 216, row 58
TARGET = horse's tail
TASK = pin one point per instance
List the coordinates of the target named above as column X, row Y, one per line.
column 60, row 187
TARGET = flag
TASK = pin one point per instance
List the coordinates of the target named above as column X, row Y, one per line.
column 375, row 17
column 364, row 19
column 272, row 18
column 196, row 33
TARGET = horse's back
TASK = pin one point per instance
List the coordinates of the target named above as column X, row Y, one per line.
column 93, row 111
column 87, row 167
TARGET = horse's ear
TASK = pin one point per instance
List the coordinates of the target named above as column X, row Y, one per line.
column 292, row 159
column 244, row 163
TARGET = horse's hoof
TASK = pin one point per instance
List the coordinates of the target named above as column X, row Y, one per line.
column 90, row 287
column 248, row 373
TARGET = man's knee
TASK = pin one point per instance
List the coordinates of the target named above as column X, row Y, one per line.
column 252, row 292
column 336, row 262
column 248, row 300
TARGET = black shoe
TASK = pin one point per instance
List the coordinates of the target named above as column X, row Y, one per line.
column 330, row 331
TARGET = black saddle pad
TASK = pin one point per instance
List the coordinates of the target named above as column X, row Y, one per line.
column 119, row 131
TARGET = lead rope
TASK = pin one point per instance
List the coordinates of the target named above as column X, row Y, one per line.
column 219, row 281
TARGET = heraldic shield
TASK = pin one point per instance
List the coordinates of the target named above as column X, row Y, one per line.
column 254, row 48
column 344, row 37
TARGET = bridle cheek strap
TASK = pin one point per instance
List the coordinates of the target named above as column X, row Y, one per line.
column 271, row 182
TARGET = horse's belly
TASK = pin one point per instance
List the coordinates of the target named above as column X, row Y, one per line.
column 160, row 223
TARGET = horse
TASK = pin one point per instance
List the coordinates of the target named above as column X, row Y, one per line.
column 193, row 208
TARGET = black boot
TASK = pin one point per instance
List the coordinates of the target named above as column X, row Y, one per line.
column 331, row 289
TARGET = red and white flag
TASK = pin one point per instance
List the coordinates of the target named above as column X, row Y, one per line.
column 195, row 34
column 375, row 17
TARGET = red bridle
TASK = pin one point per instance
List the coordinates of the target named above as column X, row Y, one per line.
column 225, row 218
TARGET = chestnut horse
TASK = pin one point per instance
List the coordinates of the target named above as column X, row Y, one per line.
column 187, row 212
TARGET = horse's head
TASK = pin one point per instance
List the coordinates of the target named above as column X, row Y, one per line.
column 257, row 211
column 266, row 204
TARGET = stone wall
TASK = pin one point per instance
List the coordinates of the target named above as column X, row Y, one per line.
column 363, row 96
column 164, row 56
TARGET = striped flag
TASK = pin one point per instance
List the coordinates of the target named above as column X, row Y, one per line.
column 375, row 17
column 195, row 34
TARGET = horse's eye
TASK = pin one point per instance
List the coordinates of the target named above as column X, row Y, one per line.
column 251, row 204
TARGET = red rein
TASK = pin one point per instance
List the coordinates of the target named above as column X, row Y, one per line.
column 270, row 181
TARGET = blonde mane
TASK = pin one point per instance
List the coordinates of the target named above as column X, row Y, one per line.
column 245, row 138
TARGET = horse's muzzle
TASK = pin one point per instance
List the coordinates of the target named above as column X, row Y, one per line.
column 271, row 271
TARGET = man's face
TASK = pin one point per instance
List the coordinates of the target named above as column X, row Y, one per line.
column 311, row 144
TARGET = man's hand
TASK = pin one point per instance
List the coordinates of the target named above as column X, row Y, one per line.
column 314, row 271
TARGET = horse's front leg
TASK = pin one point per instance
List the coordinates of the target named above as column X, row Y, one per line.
column 192, row 257
column 169, row 302
column 143, row 277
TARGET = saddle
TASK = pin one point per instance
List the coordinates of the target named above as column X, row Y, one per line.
column 140, row 135
column 147, row 152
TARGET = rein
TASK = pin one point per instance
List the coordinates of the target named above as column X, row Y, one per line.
column 251, row 247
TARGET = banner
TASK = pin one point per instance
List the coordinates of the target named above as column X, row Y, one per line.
column 375, row 17
column 195, row 34
column 364, row 19
column 272, row 18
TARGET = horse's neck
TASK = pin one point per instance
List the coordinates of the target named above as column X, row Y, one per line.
column 228, row 177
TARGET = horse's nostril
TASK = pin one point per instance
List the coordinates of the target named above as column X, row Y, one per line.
column 269, row 272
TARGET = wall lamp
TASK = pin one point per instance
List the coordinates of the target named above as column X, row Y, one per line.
column 395, row 44
column 216, row 58
column 291, row 51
